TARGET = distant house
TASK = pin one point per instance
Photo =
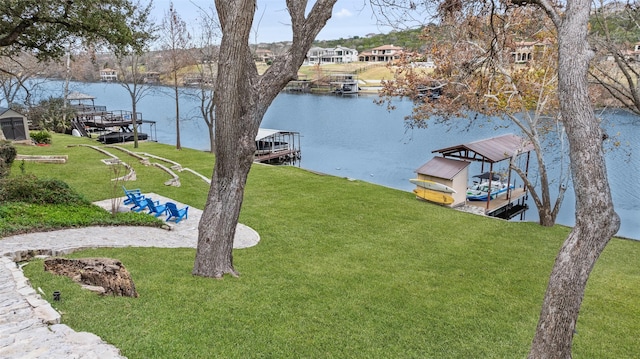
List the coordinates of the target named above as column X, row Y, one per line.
column 633, row 55
column 264, row 55
column 384, row 53
column 338, row 54
column 14, row 125
column 151, row 78
column 525, row 51
column 108, row 75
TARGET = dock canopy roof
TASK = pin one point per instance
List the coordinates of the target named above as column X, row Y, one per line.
column 442, row 168
column 266, row 132
column 79, row 96
column 490, row 150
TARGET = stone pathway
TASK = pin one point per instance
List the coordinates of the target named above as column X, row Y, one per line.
column 30, row 327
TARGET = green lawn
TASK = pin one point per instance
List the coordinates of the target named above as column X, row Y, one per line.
column 344, row 269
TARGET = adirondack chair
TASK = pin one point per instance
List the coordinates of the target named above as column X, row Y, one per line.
column 174, row 212
column 155, row 207
column 139, row 203
column 136, row 192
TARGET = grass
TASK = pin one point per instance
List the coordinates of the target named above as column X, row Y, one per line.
column 344, row 269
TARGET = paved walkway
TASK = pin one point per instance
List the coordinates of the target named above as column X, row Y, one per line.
column 30, row 327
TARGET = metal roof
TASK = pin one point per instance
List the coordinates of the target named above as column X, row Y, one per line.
column 79, row 96
column 442, row 168
column 266, row 132
column 490, row 150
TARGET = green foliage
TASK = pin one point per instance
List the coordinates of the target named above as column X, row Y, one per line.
column 20, row 217
column 621, row 25
column 409, row 39
column 30, row 189
column 51, row 114
column 41, row 137
column 7, row 155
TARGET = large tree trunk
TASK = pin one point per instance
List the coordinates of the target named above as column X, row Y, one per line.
column 596, row 220
column 241, row 98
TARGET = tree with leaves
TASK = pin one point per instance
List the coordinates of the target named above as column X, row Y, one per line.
column 505, row 69
column 596, row 219
column 241, row 99
column 176, row 41
column 45, row 26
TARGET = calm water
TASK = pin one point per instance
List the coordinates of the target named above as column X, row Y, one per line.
column 353, row 137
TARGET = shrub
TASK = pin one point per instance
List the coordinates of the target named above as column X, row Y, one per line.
column 7, row 154
column 41, row 137
column 30, row 189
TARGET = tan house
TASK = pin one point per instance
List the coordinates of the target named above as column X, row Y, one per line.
column 384, row 53
column 264, row 55
column 14, row 125
column 526, row 51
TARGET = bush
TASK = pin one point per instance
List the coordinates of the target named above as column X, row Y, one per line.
column 7, row 154
column 41, row 137
column 30, row 189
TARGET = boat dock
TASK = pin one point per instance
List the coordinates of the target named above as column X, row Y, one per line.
column 494, row 195
column 277, row 146
column 506, row 205
column 112, row 126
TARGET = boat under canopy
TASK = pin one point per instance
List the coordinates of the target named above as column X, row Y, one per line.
column 277, row 146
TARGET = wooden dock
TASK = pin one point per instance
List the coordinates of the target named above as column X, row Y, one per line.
column 278, row 156
column 503, row 206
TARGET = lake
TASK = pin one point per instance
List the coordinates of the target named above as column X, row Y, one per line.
column 353, row 137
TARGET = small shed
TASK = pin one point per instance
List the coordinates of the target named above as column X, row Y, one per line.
column 15, row 126
column 452, row 173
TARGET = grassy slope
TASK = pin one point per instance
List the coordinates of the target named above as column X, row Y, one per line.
column 344, row 269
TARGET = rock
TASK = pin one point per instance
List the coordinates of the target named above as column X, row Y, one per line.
column 110, row 274
column 94, row 288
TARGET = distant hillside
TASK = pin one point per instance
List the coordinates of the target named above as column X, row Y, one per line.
column 409, row 39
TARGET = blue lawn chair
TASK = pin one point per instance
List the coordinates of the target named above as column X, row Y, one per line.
column 139, row 203
column 174, row 212
column 136, row 192
column 155, row 207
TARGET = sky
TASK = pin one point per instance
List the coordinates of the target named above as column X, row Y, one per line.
column 350, row 18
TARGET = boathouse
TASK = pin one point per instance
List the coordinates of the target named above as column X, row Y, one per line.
column 488, row 152
column 277, row 146
column 14, row 125
column 110, row 126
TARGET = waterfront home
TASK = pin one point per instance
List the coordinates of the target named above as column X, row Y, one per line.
column 338, row 54
column 526, row 51
column 108, row 75
column 384, row 53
